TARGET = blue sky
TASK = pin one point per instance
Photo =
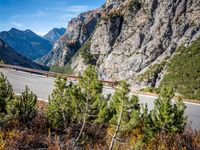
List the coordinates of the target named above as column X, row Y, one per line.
column 42, row 15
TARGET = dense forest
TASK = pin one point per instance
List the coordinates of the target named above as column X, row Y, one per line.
column 78, row 116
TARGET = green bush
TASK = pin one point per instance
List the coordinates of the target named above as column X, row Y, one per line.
column 150, row 89
column 23, row 107
column 6, row 93
column 59, row 110
column 1, row 62
column 65, row 69
column 85, row 52
column 126, row 112
column 165, row 117
column 183, row 71
column 88, row 97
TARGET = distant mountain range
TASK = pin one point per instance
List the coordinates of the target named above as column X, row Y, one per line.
column 10, row 56
column 27, row 43
column 54, row 34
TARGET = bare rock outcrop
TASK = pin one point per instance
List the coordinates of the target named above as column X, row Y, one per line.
column 129, row 36
column 78, row 31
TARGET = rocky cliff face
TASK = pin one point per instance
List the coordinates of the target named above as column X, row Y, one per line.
column 130, row 37
column 78, row 31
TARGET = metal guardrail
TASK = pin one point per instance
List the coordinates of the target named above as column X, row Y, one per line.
column 50, row 74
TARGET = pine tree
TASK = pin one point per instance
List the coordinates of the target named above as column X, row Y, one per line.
column 126, row 111
column 89, row 97
column 6, row 93
column 167, row 117
column 2, row 62
column 105, row 113
column 23, row 107
column 60, row 107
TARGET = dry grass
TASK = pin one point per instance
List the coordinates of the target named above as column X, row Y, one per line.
column 41, row 105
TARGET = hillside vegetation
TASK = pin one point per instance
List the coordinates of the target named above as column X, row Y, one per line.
column 183, row 71
column 65, row 69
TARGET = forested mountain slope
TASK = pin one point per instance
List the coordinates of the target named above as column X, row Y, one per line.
column 10, row 56
column 183, row 71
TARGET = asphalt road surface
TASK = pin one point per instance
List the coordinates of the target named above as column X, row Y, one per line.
column 43, row 86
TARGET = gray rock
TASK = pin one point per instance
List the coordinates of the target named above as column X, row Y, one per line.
column 131, row 36
column 78, row 31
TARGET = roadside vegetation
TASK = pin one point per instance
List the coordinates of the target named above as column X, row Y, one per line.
column 150, row 90
column 65, row 69
column 183, row 71
column 78, row 116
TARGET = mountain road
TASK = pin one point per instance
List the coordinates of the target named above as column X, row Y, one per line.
column 42, row 86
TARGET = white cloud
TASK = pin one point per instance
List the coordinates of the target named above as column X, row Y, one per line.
column 14, row 17
column 66, row 13
column 62, row 3
column 67, row 17
column 73, row 9
column 39, row 13
column 16, row 24
column 78, row 8
column 71, row 12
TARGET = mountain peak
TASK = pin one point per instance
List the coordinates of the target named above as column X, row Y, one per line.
column 13, row 29
column 54, row 34
column 28, row 30
column 26, row 43
column 22, row 31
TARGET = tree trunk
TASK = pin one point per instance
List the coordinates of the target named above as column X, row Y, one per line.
column 83, row 126
column 84, row 118
column 117, row 129
column 64, row 118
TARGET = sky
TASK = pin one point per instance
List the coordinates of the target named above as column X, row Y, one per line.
column 41, row 16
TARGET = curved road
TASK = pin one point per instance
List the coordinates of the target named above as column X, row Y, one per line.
column 43, row 86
